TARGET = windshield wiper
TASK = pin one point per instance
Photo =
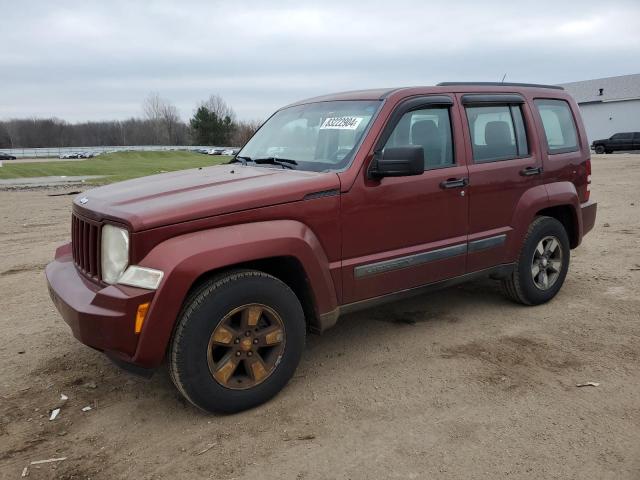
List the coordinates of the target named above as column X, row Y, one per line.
column 284, row 162
column 242, row 159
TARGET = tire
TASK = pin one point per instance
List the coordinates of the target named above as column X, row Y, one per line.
column 600, row 149
column 524, row 285
column 212, row 334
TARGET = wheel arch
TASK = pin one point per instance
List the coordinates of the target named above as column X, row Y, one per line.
column 286, row 249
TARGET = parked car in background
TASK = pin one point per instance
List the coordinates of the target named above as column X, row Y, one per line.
column 6, row 156
column 379, row 195
column 618, row 142
column 230, row 151
column 215, row 151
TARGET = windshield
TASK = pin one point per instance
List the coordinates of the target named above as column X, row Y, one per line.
column 316, row 136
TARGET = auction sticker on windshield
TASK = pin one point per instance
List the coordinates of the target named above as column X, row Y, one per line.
column 341, row 123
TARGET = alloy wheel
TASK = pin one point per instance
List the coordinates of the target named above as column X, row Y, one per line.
column 246, row 346
column 546, row 264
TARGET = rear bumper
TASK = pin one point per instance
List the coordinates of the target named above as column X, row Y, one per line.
column 100, row 317
column 588, row 211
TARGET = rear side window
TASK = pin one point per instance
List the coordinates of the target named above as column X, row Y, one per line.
column 429, row 128
column 559, row 126
column 497, row 133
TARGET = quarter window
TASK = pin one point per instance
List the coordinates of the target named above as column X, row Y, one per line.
column 559, row 126
column 429, row 128
column 497, row 133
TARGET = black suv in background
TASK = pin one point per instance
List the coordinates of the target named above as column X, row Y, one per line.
column 618, row 141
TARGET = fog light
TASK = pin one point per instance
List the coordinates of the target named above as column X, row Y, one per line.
column 141, row 314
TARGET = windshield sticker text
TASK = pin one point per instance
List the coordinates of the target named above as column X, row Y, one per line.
column 341, row 123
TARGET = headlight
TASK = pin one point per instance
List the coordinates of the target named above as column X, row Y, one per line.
column 114, row 252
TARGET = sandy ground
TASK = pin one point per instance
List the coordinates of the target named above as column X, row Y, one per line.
column 461, row 384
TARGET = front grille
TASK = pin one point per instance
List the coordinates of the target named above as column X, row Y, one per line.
column 85, row 243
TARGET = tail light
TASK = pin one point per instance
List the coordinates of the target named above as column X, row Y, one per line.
column 588, row 189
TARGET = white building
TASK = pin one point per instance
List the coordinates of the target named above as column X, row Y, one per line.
column 608, row 105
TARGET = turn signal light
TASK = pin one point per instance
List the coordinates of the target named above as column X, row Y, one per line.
column 141, row 314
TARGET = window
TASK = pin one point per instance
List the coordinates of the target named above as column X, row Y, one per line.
column 322, row 136
column 497, row 133
column 429, row 128
column 559, row 127
column 622, row 136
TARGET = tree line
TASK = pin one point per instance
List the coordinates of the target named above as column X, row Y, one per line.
column 213, row 123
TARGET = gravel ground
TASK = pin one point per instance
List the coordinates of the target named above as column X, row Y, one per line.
column 461, row 384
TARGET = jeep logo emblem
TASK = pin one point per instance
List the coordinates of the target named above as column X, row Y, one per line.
column 84, row 200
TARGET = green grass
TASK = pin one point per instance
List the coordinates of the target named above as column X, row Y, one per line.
column 116, row 166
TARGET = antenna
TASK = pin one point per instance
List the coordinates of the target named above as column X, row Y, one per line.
column 503, row 77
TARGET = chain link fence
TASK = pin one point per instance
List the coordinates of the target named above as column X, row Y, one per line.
column 50, row 152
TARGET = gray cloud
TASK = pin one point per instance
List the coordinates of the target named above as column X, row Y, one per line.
column 97, row 60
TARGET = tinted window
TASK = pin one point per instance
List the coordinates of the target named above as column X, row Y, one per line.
column 497, row 133
column 431, row 129
column 622, row 136
column 636, row 136
column 558, row 124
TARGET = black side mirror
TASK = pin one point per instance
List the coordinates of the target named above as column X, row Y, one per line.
column 398, row 162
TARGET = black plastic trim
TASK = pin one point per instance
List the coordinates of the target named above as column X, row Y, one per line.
column 130, row 367
column 492, row 99
column 498, row 84
column 409, row 260
column 322, row 194
column 485, row 243
column 499, row 271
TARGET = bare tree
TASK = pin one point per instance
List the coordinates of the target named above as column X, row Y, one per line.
column 163, row 117
column 243, row 131
column 216, row 104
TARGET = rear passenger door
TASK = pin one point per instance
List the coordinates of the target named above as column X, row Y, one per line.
column 503, row 164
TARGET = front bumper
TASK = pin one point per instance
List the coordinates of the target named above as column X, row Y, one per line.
column 588, row 211
column 101, row 317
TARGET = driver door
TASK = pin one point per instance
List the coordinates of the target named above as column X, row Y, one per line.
column 404, row 232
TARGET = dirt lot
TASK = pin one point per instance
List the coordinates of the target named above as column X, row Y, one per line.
column 461, row 384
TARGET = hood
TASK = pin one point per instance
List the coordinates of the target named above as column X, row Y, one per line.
column 169, row 198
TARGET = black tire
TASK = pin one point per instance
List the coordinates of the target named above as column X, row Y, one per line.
column 203, row 312
column 521, row 285
column 600, row 149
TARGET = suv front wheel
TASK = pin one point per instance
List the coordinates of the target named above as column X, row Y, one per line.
column 542, row 264
column 238, row 341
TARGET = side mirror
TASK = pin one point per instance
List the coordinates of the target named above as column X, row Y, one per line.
column 398, row 162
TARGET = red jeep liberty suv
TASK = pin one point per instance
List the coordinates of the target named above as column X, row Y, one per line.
column 337, row 203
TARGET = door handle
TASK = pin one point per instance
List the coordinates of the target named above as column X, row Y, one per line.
column 455, row 183
column 531, row 171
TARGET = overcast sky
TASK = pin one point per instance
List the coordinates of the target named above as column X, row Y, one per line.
column 90, row 60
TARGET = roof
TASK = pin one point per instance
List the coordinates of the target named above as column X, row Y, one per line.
column 445, row 87
column 625, row 87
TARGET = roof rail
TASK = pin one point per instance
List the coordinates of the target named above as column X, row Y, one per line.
column 499, row 84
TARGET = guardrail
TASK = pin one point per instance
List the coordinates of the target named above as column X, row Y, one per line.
column 57, row 151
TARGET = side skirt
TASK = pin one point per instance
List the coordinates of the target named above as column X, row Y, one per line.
column 329, row 319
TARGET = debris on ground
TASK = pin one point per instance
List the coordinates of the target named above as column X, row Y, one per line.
column 25, row 472
column 91, row 385
column 588, row 384
column 54, row 414
column 209, row 447
column 310, row 436
column 63, row 397
column 86, row 409
column 48, row 460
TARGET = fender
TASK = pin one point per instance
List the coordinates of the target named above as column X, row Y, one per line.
column 184, row 258
column 565, row 193
column 531, row 202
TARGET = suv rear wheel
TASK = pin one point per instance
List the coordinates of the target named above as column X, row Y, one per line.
column 600, row 149
column 238, row 341
column 542, row 264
